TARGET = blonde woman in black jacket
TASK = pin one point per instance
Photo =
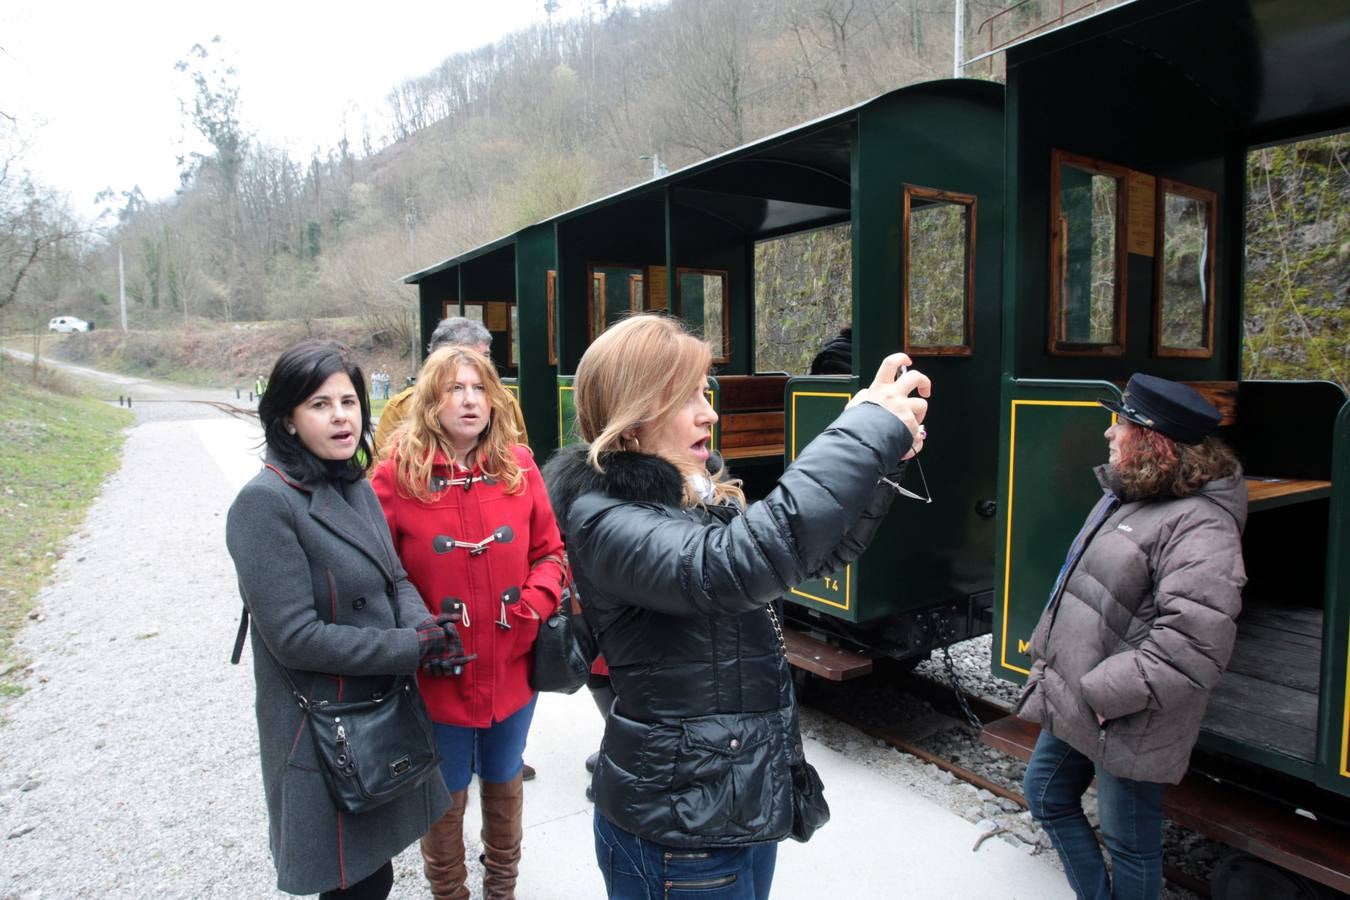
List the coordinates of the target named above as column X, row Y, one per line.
column 693, row 787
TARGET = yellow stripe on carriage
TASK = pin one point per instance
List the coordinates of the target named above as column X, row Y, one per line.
column 848, row 570
column 1007, row 547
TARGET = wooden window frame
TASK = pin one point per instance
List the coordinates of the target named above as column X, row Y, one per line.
column 1057, row 346
column 680, row 271
column 591, row 274
column 512, row 334
column 970, row 202
column 636, row 291
column 551, row 305
column 594, row 325
column 480, row 306
column 1168, row 186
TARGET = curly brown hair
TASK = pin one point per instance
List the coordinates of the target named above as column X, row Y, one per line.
column 1152, row 465
column 421, row 437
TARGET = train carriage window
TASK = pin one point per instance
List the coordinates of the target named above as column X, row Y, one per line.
column 803, row 295
column 616, row 291
column 1297, row 240
column 1183, row 310
column 635, row 291
column 1087, row 256
column 938, row 271
column 597, row 304
column 515, row 336
column 703, row 305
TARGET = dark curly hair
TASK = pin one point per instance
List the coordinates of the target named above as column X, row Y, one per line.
column 298, row 373
column 1153, row 466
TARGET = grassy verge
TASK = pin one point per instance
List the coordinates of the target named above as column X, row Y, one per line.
column 58, row 449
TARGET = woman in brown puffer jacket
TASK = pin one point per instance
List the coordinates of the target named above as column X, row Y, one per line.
column 1139, row 627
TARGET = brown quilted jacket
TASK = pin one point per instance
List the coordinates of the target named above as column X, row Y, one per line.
column 1142, row 631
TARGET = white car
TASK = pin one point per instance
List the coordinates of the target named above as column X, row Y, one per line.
column 67, row 324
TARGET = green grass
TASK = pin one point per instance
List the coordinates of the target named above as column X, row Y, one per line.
column 55, row 451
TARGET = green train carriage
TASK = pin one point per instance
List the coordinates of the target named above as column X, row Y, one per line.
column 1125, row 137
column 1127, row 155
column 685, row 244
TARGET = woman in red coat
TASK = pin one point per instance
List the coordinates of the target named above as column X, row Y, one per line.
column 474, row 530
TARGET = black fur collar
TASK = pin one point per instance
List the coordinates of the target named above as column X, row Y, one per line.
column 627, row 476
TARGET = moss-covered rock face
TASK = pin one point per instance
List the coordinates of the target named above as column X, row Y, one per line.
column 803, row 296
column 1297, row 320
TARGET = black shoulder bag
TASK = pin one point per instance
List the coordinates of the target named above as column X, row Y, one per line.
column 370, row 750
column 565, row 648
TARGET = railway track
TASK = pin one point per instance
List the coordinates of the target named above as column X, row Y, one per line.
column 952, row 746
column 230, row 409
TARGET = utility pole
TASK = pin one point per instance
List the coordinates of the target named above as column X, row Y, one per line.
column 959, row 38
column 122, row 286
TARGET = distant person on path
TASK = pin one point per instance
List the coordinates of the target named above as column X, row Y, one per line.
column 259, row 387
column 320, row 579
column 1139, row 627
column 455, row 331
column 472, row 525
column 694, row 785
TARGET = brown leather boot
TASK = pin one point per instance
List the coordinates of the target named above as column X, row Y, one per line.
column 503, row 806
column 443, row 852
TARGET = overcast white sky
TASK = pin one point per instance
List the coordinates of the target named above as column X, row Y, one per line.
column 95, row 92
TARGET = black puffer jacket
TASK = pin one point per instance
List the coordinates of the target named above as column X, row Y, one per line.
column 698, row 747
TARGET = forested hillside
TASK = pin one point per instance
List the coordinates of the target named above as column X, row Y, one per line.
column 551, row 117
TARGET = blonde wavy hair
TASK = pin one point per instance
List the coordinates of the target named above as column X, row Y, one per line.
column 1153, row 466
column 418, row 440
column 636, row 375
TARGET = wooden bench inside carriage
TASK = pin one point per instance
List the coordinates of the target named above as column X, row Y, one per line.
column 1264, row 490
column 1242, row 820
column 751, row 415
column 1267, row 699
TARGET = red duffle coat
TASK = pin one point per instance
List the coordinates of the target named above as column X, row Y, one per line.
column 496, row 684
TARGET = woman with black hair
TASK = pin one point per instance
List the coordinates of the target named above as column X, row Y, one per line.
column 327, row 596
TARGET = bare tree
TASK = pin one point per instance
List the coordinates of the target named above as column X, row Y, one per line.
column 706, row 64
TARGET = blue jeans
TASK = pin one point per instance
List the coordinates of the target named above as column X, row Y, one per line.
column 493, row 752
column 1131, row 818
column 635, row 869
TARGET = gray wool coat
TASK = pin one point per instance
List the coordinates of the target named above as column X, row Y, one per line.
column 1142, row 631
column 319, row 576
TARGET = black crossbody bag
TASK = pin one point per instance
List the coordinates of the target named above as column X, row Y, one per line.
column 370, row 750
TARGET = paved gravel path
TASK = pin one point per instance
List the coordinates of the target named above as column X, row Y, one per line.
column 117, row 776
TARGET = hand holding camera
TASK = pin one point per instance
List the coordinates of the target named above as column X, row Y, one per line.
column 891, row 389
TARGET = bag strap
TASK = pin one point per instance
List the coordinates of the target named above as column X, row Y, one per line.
column 571, row 603
column 290, row 682
column 239, row 638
